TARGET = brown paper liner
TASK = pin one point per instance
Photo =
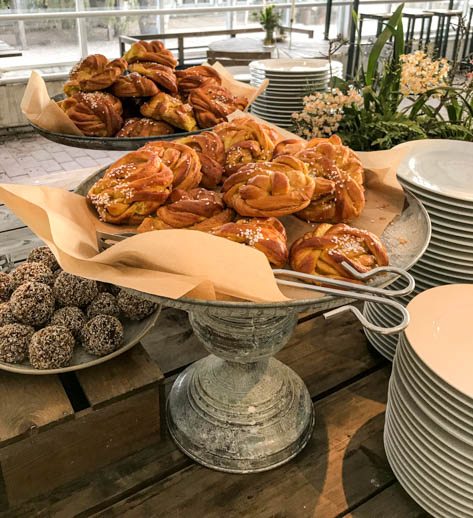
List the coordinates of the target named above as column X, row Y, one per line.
column 39, row 109
column 177, row 263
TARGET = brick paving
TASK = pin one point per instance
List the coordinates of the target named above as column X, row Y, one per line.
column 28, row 155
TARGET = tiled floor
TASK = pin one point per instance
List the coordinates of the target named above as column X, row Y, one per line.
column 27, row 155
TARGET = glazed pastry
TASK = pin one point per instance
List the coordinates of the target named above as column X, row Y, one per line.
column 162, row 75
column 96, row 114
column 150, row 51
column 267, row 235
column 93, row 73
column 245, row 141
column 132, row 188
column 289, row 147
column 134, row 85
column 212, row 104
column 338, row 173
column 182, row 160
column 195, row 77
column 197, row 209
column 164, row 107
column 322, row 251
column 143, row 127
column 209, row 149
column 264, row 189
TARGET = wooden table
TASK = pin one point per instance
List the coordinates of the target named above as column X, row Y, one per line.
column 306, row 49
column 342, row 472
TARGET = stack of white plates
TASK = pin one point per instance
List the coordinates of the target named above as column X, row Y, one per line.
column 428, row 433
column 440, row 174
column 289, row 81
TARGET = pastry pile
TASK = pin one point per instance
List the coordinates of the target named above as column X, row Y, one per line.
column 235, row 181
column 142, row 95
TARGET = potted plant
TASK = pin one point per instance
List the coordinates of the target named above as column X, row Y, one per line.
column 269, row 19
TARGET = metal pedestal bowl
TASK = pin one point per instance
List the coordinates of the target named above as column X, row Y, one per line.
column 239, row 410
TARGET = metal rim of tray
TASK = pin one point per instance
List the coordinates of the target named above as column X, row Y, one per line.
column 106, row 143
column 321, row 303
column 146, row 326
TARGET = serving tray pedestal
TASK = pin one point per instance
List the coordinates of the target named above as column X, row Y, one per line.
column 239, row 410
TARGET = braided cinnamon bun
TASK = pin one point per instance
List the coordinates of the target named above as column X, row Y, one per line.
column 339, row 176
column 195, row 77
column 322, row 251
column 182, row 160
column 289, row 147
column 162, row 75
column 134, row 85
column 209, row 149
column 212, row 103
column 95, row 72
column 150, row 51
column 143, row 127
column 132, row 188
column 164, row 107
column 267, row 235
column 96, row 114
column 269, row 188
column 197, row 209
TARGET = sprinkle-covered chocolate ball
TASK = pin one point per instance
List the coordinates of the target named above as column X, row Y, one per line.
column 37, row 272
column 51, row 348
column 102, row 335
column 71, row 290
column 6, row 286
column 32, row 303
column 103, row 304
column 14, row 342
column 134, row 307
column 70, row 317
column 43, row 254
column 6, row 315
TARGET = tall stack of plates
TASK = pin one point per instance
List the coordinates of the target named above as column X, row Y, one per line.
column 289, row 81
column 440, row 174
column 428, row 433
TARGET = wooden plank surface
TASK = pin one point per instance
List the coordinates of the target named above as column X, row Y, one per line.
column 29, row 404
column 130, row 372
column 343, row 464
column 92, row 440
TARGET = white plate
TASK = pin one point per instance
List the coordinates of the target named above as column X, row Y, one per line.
column 461, row 229
column 453, row 267
column 292, row 66
column 445, row 212
column 440, row 254
column 435, row 274
column 460, row 250
column 444, row 202
column 337, row 67
column 448, row 238
column 440, row 166
column 441, row 332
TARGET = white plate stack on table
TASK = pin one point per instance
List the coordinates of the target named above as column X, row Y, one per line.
column 289, row 81
column 428, row 433
column 440, row 174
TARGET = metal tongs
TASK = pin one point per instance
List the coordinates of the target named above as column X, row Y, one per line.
column 352, row 291
column 356, row 291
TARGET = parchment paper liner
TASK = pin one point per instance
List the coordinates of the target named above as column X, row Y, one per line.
column 174, row 263
column 39, row 109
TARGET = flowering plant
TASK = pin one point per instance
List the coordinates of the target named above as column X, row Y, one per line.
column 408, row 97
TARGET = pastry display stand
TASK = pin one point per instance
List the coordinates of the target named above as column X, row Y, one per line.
column 240, row 410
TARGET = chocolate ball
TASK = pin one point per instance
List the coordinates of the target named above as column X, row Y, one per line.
column 6, row 286
column 51, row 348
column 32, row 303
column 71, row 318
column 103, row 304
column 102, row 335
column 6, row 315
column 14, row 342
column 37, row 272
column 108, row 288
column 134, row 307
column 43, row 254
column 71, row 290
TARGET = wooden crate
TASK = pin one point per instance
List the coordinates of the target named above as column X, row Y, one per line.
column 56, row 428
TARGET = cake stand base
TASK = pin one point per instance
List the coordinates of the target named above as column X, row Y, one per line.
column 240, row 417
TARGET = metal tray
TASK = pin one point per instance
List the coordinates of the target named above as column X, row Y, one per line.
column 413, row 225
column 106, row 143
column 133, row 332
